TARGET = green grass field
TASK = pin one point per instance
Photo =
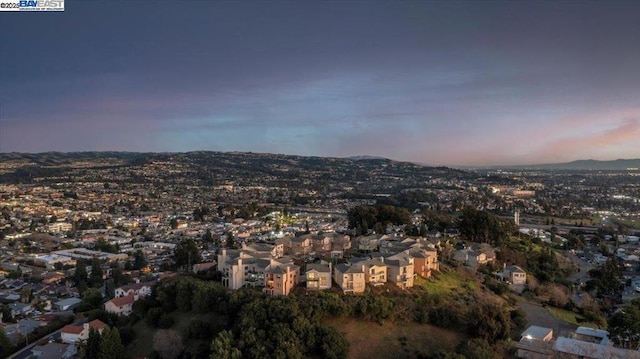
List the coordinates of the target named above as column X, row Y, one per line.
column 445, row 282
column 572, row 318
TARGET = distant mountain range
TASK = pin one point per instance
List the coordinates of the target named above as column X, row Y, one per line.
column 614, row 165
column 61, row 158
column 365, row 157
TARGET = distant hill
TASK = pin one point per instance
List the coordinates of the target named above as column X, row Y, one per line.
column 370, row 174
column 364, row 157
column 615, row 165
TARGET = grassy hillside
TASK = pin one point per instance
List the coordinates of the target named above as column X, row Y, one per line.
column 393, row 340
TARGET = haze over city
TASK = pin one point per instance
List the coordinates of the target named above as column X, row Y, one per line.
column 442, row 83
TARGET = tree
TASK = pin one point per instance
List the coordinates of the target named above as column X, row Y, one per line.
column 333, row 345
column 111, row 347
column 173, row 223
column 80, row 276
column 207, row 237
column 364, row 218
column 477, row 349
column 103, row 245
column 423, row 230
column 91, row 299
column 6, row 348
column 186, row 253
column 222, row 347
column 624, row 325
column 607, row 278
column 167, row 343
column 490, row 321
column 139, row 261
column 482, row 226
column 94, row 343
column 231, row 243
column 5, row 311
column 96, row 273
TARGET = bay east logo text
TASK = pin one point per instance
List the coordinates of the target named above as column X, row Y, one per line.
column 41, row 5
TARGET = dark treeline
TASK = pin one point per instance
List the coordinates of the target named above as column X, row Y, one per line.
column 484, row 227
column 366, row 218
column 249, row 324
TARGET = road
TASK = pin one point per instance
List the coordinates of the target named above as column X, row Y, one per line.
column 25, row 353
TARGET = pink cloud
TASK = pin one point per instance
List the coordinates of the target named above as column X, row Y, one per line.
column 605, row 135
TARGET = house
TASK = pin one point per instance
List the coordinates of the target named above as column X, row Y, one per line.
column 513, row 275
column 71, row 334
column 264, row 250
column 318, row 276
column 120, row 305
column 586, row 343
column 54, row 351
column 535, row 343
column 141, row 289
column 240, row 268
column 375, row 271
column 579, row 349
column 472, row 258
column 300, row 246
column 630, row 262
column 280, row 278
column 340, row 243
column 67, row 304
column 400, row 269
column 54, row 277
column 366, row 243
column 20, row 309
column 308, row 243
column 350, row 278
column 424, row 262
column 321, row 243
column 15, row 332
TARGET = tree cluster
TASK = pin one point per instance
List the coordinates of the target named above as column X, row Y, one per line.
column 186, row 253
column 365, row 218
column 107, row 345
column 484, row 227
column 249, row 324
column 606, row 279
column 624, row 326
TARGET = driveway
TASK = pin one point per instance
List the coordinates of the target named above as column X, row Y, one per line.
column 540, row 316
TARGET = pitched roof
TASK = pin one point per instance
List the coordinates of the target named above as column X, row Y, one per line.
column 120, row 301
column 136, row 286
column 322, row 268
column 536, row 332
column 515, row 269
column 344, row 268
column 71, row 329
column 97, row 324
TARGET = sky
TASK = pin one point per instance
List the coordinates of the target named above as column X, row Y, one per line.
column 442, row 83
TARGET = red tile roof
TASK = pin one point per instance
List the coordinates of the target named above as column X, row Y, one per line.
column 120, row 301
column 72, row 329
column 97, row 324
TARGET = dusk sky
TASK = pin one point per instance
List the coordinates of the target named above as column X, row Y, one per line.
column 435, row 82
